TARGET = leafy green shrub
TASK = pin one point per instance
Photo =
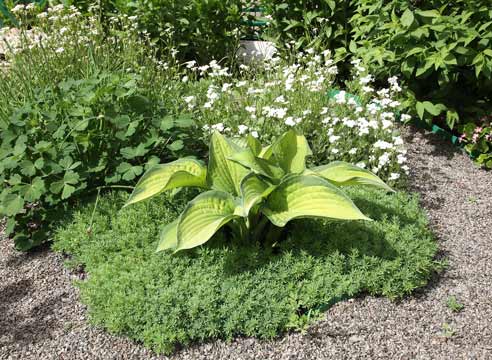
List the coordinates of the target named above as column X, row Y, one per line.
column 80, row 135
column 301, row 24
column 249, row 185
column 81, row 107
column 437, row 47
column 268, row 100
column 225, row 289
column 198, row 29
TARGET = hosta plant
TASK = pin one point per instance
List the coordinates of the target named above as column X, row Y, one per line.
column 248, row 186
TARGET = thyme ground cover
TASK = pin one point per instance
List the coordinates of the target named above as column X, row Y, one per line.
column 229, row 288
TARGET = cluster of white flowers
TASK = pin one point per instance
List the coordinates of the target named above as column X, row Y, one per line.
column 355, row 125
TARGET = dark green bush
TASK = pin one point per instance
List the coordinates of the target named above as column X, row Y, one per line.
column 200, row 30
column 226, row 289
column 74, row 137
column 308, row 23
column 440, row 49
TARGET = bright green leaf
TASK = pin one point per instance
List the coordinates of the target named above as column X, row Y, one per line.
column 344, row 174
column 303, row 196
column 203, row 216
column 162, row 177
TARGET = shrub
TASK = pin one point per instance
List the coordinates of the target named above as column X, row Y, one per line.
column 440, row 48
column 437, row 47
column 80, row 109
column 224, row 289
column 249, row 185
column 198, row 29
column 302, row 24
column 300, row 93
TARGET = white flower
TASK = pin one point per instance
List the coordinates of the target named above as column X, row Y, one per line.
column 251, row 109
column 353, row 151
column 340, row 97
column 190, row 64
column 397, row 140
column 306, row 112
column 323, row 111
column 387, row 124
column 384, row 159
column 290, row 121
column 394, row 176
column 365, row 80
column 254, row 134
column 208, row 105
column 219, row 127
column 383, row 145
column 184, row 79
column 361, row 165
column 335, row 151
column 242, row 129
column 333, row 138
column 405, row 117
column 59, row 50
column 401, row 159
column 367, row 89
column 280, row 100
column 226, row 87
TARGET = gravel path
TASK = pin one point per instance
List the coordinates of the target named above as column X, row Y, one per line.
column 41, row 317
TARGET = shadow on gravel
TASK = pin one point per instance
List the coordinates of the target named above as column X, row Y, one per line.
column 21, row 327
column 441, row 146
column 20, row 258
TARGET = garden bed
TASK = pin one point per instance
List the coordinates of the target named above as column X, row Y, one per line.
column 39, row 299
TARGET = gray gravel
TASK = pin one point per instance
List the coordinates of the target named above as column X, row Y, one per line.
column 42, row 318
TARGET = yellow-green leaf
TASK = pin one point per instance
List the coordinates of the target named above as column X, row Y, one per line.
column 224, row 174
column 203, row 216
column 261, row 166
column 253, row 191
column 161, row 177
column 344, row 174
column 290, row 151
column 169, row 237
column 301, row 196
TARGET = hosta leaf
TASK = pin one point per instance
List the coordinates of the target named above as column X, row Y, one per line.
column 253, row 191
column 203, row 216
column 260, row 166
column 302, row 196
column 248, row 142
column 179, row 173
column 266, row 152
column 344, row 174
column 169, row 237
column 291, row 151
column 224, row 174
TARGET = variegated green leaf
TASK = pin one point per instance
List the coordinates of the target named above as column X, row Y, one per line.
column 169, row 236
column 223, row 174
column 344, row 174
column 161, row 177
column 248, row 142
column 261, row 166
column 203, row 216
column 253, row 191
column 290, row 151
column 302, row 196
